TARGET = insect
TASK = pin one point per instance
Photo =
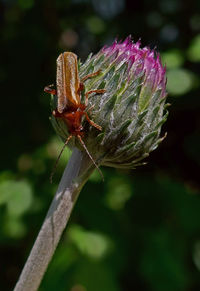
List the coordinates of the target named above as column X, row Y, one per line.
column 69, row 108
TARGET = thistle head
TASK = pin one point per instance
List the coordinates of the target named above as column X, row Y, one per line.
column 130, row 112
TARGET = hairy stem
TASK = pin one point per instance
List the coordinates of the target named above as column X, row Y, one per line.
column 74, row 177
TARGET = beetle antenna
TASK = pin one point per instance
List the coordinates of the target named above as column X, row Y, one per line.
column 84, row 146
column 58, row 158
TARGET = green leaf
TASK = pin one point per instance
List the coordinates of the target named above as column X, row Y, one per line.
column 194, row 49
column 92, row 244
column 180, row 81
column 17, row 195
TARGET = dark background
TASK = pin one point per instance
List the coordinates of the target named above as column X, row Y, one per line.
column 138, row 230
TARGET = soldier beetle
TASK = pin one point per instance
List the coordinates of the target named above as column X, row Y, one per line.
column 69, row 108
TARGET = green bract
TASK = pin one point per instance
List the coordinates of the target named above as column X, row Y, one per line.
column 130, row 112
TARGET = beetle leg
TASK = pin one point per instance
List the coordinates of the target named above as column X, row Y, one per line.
column 48, row 89
column 92, row 122
column 81, row 87
column 90, row 75
column 98, row 91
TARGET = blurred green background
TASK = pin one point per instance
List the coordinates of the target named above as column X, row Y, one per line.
column 138, row 230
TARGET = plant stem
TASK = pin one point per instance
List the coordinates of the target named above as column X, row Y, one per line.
column 74, row 177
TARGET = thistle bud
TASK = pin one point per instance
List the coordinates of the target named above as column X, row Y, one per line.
column 130, row 112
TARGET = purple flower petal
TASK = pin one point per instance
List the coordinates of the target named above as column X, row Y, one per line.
column 140, row 61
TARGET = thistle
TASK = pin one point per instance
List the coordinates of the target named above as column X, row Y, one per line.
column 130, row 112
column 118, row 127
